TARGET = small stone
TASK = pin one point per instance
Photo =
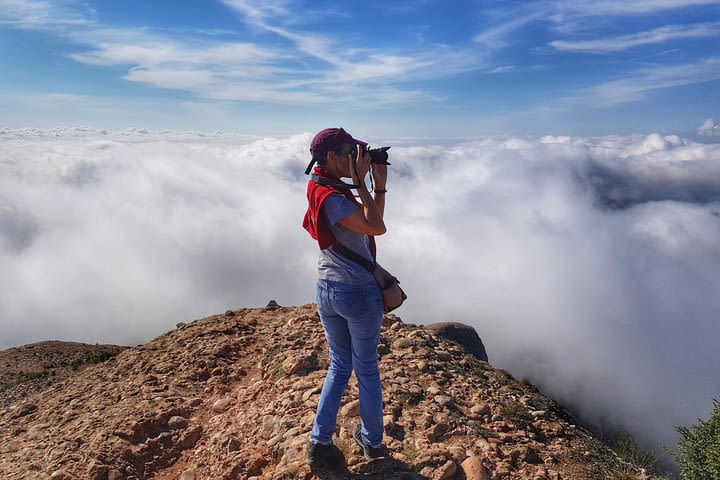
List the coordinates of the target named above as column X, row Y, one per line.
column 60, row 475
column 395, row 326
column 439, row 429
column 479, row 410
column 177, row 423
column 188, row 475
column 25, row 409
column 539, row 414
column 115, row 475
column 446, row 471
column 458, row 453
column 426, row 471
column 422, row 365
column 272, row 305
column 310, row 392
column 402, row 343
column 474, row 469
column 229, row 313
column 220, row 406
column 275, row 440
column 351, row 409
column 180, row 324
column 433, row 390
column 444, row 401
column 497, row 418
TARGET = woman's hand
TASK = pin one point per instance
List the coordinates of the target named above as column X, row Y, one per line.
column 359, row 166
column 379, row 175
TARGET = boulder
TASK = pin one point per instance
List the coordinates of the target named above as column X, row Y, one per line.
column 462, row 334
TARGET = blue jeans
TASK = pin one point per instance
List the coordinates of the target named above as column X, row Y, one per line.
column 351, row 316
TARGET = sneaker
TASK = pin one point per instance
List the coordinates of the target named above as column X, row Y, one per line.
column 369, row 452
column 324, row 456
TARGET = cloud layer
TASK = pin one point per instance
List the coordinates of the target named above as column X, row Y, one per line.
column 589, row 265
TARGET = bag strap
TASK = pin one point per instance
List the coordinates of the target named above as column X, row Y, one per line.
column 344, row 251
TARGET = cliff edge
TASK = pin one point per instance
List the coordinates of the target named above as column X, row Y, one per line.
column 233, row 396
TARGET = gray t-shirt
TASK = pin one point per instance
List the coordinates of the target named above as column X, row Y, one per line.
column 333, row 266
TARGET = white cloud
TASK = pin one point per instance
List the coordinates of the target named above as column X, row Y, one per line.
column 624, row 42
column 622, row 7
column 639, row 84
column 244, row 71
column 38, row 14
column 572, row 257
column 505, row 69
column 709, row 129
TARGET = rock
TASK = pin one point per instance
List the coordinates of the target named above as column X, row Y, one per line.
column 474, row 469
column 433, row 390
column 25, row 409
column 61, row 475
column 229, row 313
column 188, row 475
column 444, row 401
column 310, row 392
column 402, row 343
column 539, row 414
column 351, row 409
column 462, row 334
column 177, row 423
column 220, row 406
column 438, row 430
column 395, row 326
column 446, row 471
column 115, row 474
column 458, row 453
column 479, row 410
column 272, row 305
column 422, row 365
column 180, row 324
column 275, row 440
column 230, row 443
column 497, row 418
column 297, row 364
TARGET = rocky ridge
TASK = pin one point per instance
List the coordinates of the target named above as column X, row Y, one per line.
column 233, row 397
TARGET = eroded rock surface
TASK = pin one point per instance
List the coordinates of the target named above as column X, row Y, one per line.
column 234, row 396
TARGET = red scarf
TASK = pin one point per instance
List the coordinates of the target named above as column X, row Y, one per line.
column 315, row 222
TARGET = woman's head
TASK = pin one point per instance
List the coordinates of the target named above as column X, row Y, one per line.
column 335, row 140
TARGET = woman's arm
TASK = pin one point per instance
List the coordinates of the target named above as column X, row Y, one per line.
column 368, row 220
column 379, row 174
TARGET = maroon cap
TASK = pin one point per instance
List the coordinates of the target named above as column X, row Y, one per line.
column 327, row 139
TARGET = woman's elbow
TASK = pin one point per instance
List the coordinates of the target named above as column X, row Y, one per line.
column 380, row 230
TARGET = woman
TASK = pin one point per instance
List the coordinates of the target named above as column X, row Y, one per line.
column 349, row 300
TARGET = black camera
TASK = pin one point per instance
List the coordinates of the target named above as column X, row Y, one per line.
column 377, row 155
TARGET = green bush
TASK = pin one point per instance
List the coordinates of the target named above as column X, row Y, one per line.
column 698, row 449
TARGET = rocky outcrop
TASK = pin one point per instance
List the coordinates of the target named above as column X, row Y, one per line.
column 462, row 334
column 234, row 396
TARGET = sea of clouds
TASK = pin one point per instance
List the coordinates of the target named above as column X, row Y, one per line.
column 589, row 265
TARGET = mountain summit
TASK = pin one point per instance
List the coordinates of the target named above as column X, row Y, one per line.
column 233, row 396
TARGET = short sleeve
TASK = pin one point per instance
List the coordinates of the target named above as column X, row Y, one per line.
column 337, row 207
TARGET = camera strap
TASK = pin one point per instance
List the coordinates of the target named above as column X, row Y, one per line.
column 331, row 182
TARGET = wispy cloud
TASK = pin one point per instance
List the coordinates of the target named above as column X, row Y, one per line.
column 638, row 85
column 570, row 16
column 622, row 7
column 624, row 42
column 245, row 71
column 505, row 69
column 38, row 14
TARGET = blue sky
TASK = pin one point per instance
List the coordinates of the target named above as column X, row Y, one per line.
column 426, row 68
